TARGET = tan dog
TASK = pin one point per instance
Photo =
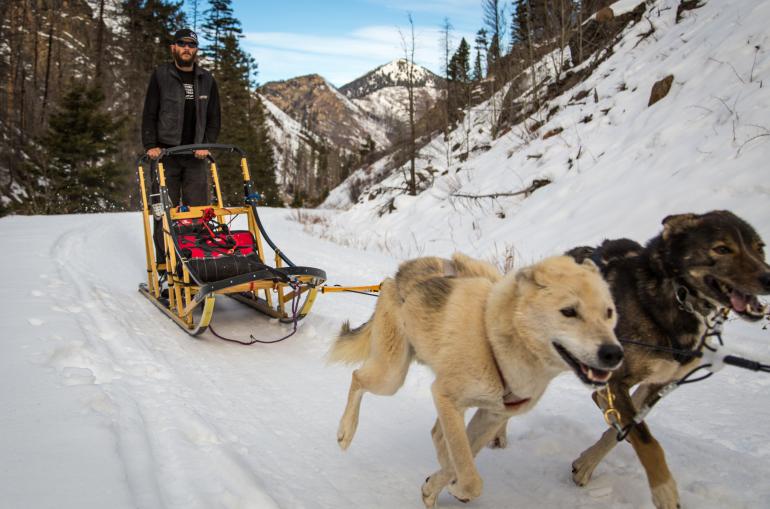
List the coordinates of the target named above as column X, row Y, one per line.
column 493, row 343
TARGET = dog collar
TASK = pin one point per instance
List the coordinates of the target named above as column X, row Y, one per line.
column 510, row 400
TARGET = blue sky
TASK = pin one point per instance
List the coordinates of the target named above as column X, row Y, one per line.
column 341, row 40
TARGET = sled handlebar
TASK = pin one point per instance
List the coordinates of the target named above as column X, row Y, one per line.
column 182, row 149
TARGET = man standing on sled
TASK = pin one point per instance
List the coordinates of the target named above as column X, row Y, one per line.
column 181, row 108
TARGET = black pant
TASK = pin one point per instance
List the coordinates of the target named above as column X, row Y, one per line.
column 186, row 179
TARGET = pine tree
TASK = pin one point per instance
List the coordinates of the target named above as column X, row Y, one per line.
column 481, row 47
column 219, row 25
column 194, row 13
column 459, row 65
column 493, row 19
column 243, row 124
column 459, row 81
column 148, row 28
column 263, row 173
column 528, row 21
column 81, row 142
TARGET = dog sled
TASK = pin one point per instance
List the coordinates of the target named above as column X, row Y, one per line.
column 204, row 257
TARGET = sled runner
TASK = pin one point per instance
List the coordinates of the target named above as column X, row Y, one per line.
column 203, row 257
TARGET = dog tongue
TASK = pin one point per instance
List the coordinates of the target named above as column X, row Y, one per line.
column 738, row 301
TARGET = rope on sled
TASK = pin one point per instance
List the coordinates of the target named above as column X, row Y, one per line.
column 252, row 340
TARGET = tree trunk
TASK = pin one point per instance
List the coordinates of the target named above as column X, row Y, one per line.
column 412, row 134
column 100, row 45
column 533, row 70
column 44, row 109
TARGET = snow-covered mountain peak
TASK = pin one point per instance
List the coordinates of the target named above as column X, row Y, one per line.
column 394, row 73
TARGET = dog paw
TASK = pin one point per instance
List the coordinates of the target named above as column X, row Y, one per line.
column 344, row 437
column 429, row 495
column 499, row 442
column 666, row 495
column 582, row 471
column 466, row 491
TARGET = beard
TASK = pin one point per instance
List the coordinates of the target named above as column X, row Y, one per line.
column 180, row 60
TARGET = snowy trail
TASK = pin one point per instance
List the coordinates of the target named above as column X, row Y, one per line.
column 112, row 405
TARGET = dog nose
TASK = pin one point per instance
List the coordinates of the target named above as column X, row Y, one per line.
column 764, row 280
column 610, row 355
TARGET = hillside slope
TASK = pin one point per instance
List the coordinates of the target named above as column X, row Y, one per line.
column 320, row 107
column 611, row 160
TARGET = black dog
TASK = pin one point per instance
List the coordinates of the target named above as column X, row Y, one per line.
column 663, row 292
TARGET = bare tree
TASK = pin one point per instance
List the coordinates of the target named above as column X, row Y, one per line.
column 494, row 14
column 446, row 42
column 408, row 46
column 194, row 13
column 531, row 52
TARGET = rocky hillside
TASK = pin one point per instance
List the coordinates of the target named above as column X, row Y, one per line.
column 320, row 133
column 383, row 91
column 319, row 107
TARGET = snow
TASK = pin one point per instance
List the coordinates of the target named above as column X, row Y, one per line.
column 700, row 148
column 374, row 127
column 392, row 103
column 109, row 404
column 287, row 135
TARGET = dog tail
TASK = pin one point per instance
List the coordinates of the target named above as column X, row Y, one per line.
column 355, row 345
column 352, row 345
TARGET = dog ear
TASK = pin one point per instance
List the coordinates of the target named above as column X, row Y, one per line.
column 590, row 265
column 537, row 275
column 581, row 253
column 679, row 222
column 529, row 275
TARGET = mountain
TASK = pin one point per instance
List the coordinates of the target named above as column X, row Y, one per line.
column 289, row 139
column 383, row 92
column 320, row 133
column 318, row 106
column 392, row 74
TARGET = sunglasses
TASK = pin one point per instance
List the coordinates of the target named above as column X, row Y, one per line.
column 186, row 44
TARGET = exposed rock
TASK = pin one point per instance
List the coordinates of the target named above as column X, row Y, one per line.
column 660, row 89
column 597, row 35
column 605, row 15
column 319, row 107
column 686, row 5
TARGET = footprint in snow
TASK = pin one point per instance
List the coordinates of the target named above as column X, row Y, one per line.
column 600, row 492
column 35, row 322
column 78, row 376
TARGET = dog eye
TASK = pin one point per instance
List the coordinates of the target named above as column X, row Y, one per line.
column 722, row 250
column 569, row 312
column 609, row 312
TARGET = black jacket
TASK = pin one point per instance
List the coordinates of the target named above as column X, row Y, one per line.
column 163, row 116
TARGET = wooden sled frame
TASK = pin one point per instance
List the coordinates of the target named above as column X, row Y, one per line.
column 191, row 301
